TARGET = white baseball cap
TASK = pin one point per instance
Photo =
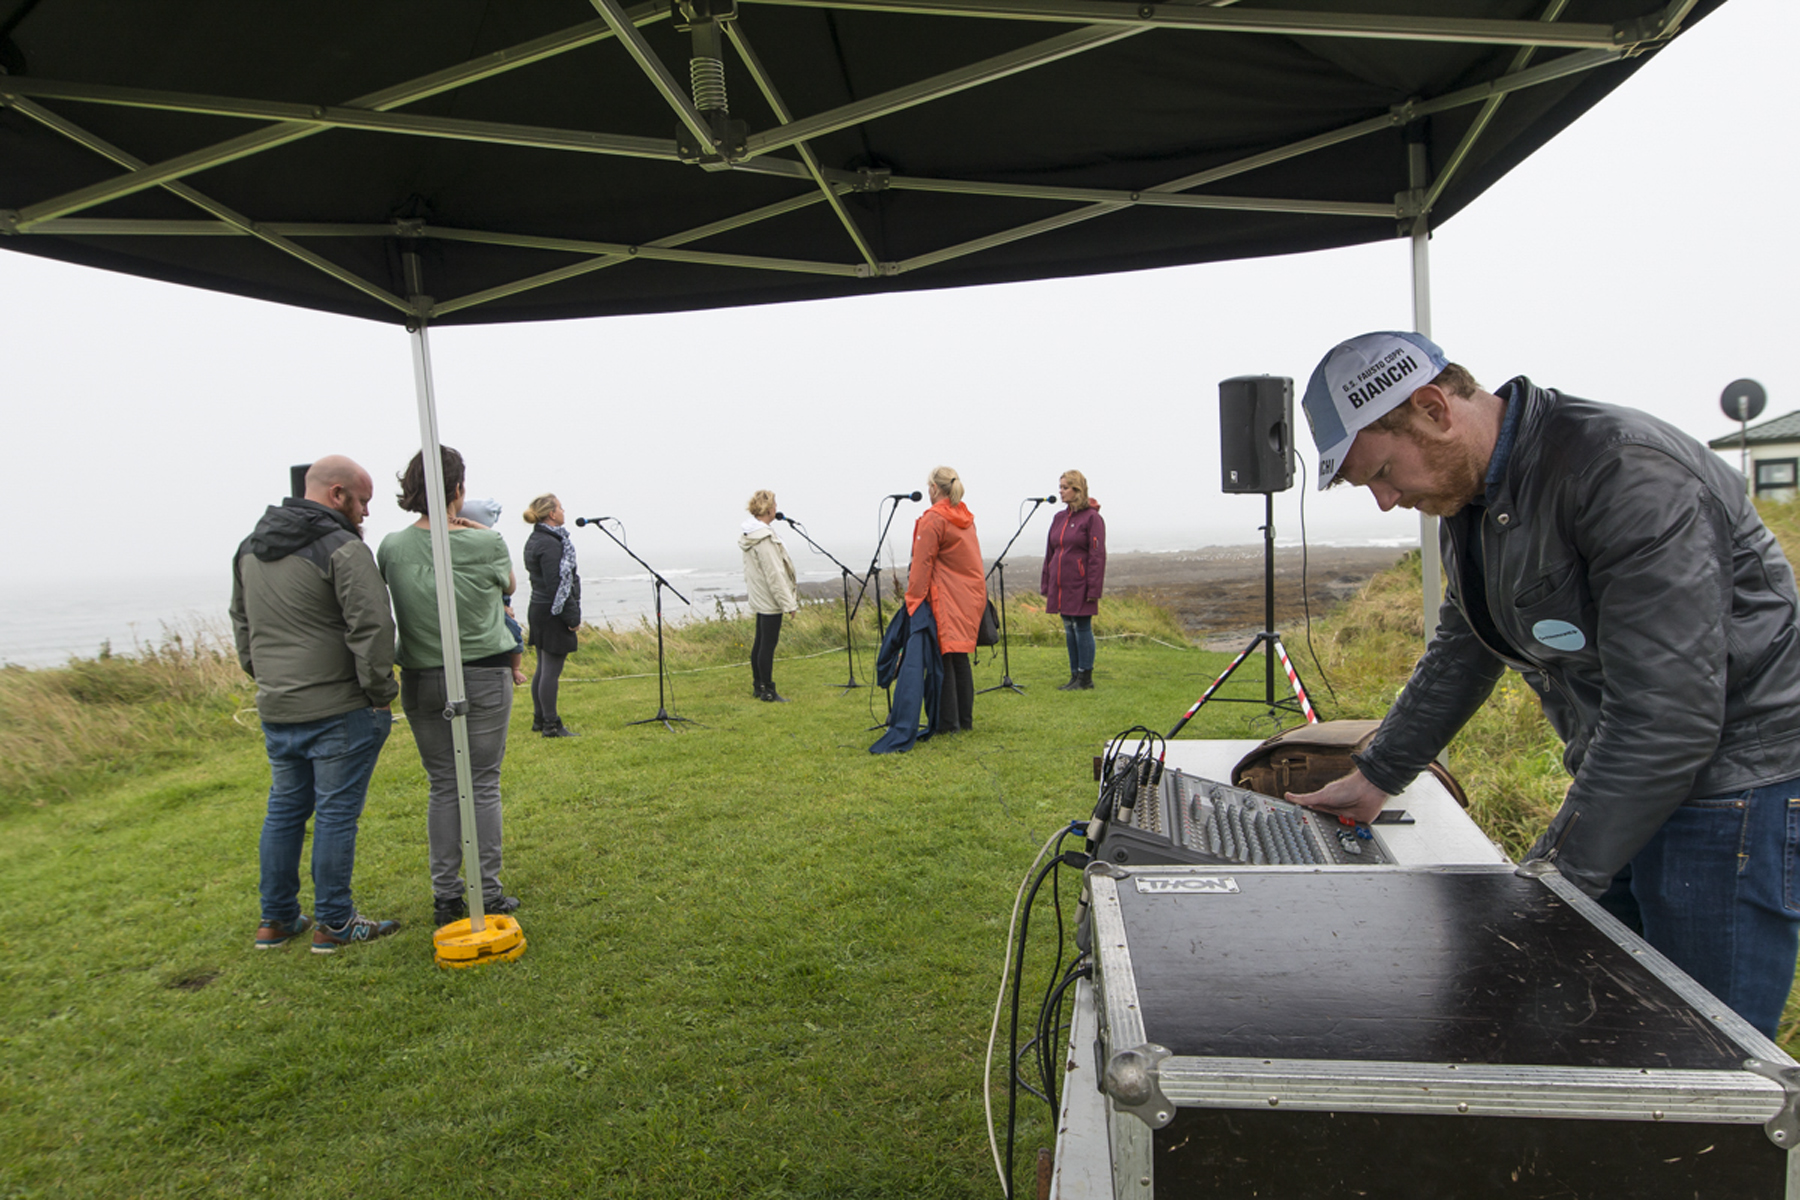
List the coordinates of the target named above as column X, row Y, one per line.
column 1358, row 383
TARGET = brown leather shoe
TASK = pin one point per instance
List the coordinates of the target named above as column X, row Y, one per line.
column 273, row 935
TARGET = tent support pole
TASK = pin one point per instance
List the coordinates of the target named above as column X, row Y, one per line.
column 456, row 701
column 1430, row 567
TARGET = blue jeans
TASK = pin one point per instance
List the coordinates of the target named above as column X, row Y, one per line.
column 1717, row 890
column 319, row 770
column 1078, row 632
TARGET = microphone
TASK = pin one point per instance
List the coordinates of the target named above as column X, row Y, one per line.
column 781, row 516
column 591, row 520
column 1042, row 499
column 907, row 496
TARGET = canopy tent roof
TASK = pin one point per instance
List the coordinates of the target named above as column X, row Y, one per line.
column 532, row 152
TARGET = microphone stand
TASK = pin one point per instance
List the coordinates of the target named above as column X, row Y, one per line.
column 849, row 643
column 1006, row 679
column 662, row 711
column 874, row 573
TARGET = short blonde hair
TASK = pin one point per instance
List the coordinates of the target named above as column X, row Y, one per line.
column 1078, row 482
column 762, row 503
column 947, row 482
column 541, row 508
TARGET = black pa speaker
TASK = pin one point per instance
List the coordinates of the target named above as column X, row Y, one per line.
column 1256, row 433
column 297, row 480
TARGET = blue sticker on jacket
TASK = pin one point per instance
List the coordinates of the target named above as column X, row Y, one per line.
column 1559, row 635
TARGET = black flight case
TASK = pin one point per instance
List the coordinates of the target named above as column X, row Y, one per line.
column 1396, row 1033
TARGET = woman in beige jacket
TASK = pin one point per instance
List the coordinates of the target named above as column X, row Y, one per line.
column 769, row 578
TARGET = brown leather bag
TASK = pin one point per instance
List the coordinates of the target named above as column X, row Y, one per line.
column 1307, row 757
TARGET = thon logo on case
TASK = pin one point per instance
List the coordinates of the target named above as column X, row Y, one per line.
column 1163, row 885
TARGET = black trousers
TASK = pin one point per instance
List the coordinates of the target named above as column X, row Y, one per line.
column 956, row 702
column 544, row 683
column 762, row 651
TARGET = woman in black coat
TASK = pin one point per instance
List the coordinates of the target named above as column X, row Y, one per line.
column 555, row 611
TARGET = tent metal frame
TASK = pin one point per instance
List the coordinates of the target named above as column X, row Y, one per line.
column 1103, row 22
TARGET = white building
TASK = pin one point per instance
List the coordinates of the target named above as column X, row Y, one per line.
column 1774, row 456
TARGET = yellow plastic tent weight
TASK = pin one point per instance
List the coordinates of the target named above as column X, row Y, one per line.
column 460, row 944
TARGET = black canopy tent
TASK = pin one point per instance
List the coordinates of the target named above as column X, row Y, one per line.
column 464, row 161
column 544, row 162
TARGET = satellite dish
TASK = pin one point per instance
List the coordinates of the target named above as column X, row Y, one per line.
column 1743, row 399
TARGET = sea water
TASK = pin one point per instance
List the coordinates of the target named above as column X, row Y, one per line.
column 128, row 615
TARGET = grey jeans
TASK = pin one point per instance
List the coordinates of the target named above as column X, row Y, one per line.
column 490, row 692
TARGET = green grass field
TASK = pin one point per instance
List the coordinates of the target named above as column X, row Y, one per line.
column 762, row 962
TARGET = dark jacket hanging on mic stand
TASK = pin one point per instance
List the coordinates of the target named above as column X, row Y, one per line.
column 909, row 661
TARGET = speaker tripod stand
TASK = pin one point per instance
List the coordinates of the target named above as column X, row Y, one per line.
column 1269, row 640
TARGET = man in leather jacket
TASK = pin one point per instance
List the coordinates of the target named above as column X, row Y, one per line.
column 1618, row 565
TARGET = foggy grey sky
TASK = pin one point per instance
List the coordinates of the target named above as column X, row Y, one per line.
column 1647, row 256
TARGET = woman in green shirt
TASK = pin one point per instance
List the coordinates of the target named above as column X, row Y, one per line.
column 481, row 572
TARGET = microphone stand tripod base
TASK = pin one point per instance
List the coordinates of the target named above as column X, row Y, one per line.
column 665, row 717
column 849, row 638
column 459, row 944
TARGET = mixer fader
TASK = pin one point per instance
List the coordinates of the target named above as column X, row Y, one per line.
column 1235, row 825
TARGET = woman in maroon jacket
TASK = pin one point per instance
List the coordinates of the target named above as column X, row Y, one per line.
column 1074, row 573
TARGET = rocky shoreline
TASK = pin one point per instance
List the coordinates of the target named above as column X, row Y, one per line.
column 1217, row 591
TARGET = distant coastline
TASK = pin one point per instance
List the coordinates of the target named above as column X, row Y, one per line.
column 1205, row 586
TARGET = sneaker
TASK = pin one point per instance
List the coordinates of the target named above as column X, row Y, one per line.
column 443, row 912
column 359, row 928
column 499, row 906
column 273, row 935
column 559, row 730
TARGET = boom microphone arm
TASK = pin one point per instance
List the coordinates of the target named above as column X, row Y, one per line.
column 875, row 558
column 845, row 575
column 1035, row 502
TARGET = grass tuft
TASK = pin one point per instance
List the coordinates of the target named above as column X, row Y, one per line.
column 68, row 730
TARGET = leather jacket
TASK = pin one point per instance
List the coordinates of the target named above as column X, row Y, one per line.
column 1630, row 580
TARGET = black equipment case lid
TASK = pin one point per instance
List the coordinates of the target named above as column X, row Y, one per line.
column 1447, row 990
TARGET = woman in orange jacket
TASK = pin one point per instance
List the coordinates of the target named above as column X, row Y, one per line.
column 946, row 570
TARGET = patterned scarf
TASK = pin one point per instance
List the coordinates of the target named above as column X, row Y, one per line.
column 565, row 569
